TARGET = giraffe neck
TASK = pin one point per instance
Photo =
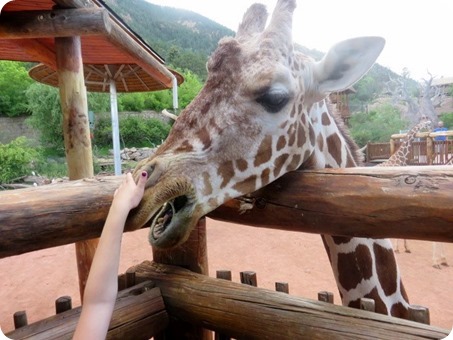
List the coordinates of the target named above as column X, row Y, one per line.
column 400, row 157
column 362, row 267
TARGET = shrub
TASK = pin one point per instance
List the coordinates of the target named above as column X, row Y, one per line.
column 134, row 132
column 16, row 159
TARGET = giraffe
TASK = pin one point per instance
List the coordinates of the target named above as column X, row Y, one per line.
column 400, row 157
column 263, row 112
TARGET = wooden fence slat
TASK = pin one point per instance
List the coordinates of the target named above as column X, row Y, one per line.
column 243, row 311
column 419, row 314
column 62, row 304
column 325, row 296
column 282, row 287
column 20, row 319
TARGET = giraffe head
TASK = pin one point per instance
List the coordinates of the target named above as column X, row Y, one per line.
column 255, row 119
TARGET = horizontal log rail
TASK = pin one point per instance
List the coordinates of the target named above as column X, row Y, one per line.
column 139, row 313
column 245, row 312
column 400, row 202
column 55, row 23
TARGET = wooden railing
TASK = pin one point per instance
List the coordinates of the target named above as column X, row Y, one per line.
column 51, row 215
column 425, row 150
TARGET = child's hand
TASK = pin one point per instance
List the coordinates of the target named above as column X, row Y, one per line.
column 129, row 194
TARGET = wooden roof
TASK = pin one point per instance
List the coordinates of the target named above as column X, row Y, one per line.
column 28, row 29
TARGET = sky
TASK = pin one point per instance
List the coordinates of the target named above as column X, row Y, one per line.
column 418, row 34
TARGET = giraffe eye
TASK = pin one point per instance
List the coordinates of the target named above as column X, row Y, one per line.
column 273, row 99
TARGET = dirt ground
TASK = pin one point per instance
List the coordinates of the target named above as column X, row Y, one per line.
column 33, row 281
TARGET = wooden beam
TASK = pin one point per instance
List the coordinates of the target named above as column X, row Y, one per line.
column 55, row 23
column 74, row 3
column 139, row 313
column 400, row 202
column 397, row 202
column 37, row 50
column 246, row 312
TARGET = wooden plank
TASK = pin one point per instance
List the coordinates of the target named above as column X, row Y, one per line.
column 55, row 23
column 374, row 202
column 243, row 311
column 139, row 313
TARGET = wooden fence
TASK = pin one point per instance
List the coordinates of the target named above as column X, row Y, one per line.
column 51, row 215
column 425, row 150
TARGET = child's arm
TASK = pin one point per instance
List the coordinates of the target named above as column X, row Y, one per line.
column 102, row 285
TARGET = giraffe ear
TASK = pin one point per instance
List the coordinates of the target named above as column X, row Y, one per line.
column 346, row 62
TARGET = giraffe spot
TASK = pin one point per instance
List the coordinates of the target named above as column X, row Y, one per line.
column 184, row 147
column 265, row 177
column 226, row 171
column 311, row 134
column 279, row 162
column 301, row 139
column 320, row 141
column 386, row 268
column 325, row 119
column 398, row 310
column 264, row 151
column 293, row 112
column 295, row 161
column 205, row 137
column 292, row 135
column 283, row 125
column 207, row 184
column 281, row 143
column 355, row 266
column 246, row 185
column 241, row 164
column 334, row 147
column 379, row 304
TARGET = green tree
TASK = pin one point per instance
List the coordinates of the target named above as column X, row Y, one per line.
column 447, row 118
column 47, row 118
column 377, row 125
column 14, row 81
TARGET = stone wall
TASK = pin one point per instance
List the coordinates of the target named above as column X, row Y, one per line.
column 11, row 128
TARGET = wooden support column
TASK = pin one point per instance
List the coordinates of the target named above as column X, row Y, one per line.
column 191, row 255
column 430, row 150
column 76, row 131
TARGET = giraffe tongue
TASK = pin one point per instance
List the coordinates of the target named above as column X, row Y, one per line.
column 162, row 219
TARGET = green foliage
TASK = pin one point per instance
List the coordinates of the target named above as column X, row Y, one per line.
column 377, row 125
column 47, row 118
column 16, row 159
column 134, row 132
column 131, row 102
column 14, row 81
column 447, row 118
column 44, row 104
column 189, row 89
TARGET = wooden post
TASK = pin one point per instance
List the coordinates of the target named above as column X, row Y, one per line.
column 249, row 278
column 62, row 304
column 392, row 146
column 76, row 131
column 20, row 319
column 282, row 287
column 419, row 314
column 191, row 255
column 325, row 296
column 367, row 304
column 430, row 150
column 224, row 274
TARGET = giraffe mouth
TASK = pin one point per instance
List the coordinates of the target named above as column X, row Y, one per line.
column 174, row 214
column 163, row 218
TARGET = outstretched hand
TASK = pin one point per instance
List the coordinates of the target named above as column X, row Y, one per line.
column 129, row 193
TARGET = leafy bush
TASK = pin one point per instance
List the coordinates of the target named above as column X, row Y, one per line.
column 16, row 159
column 134, row 131
column 377, row 125
column 447, row 118
column 14, row 81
